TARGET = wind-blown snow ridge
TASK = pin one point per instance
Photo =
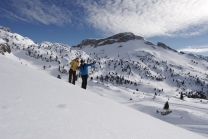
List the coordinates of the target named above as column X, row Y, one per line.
column 35, row 105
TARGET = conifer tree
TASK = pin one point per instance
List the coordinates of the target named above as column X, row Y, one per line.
column 166, row 106
column 181, row 97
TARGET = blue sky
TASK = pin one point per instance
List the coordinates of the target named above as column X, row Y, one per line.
column 180, row 24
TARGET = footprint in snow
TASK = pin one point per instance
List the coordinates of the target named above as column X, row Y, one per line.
column 4, row 107
column 62, row 106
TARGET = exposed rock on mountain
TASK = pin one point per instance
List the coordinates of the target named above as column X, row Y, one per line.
column 121, row 37
column 165, row 46
column 5, row 29
column 148, row 43
column 4, row 48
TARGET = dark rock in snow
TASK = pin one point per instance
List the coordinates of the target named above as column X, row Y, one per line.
column 4, row 48
column 5, row 29
column 160, row 44
column 148, row 43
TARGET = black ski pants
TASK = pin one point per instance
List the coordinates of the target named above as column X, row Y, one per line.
column 84, row 81
column 72, row 76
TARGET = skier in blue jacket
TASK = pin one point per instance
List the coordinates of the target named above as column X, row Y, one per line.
column 83, row 68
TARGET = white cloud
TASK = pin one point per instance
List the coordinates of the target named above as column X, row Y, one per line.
column 149, row 18
column 195, row 49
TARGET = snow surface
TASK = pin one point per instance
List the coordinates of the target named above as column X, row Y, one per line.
column 2, row 41
column 36, row 105
column 191, row 114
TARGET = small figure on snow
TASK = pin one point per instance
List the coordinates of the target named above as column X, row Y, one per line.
column 59, row 77
column 83, row 68
column 72, row 72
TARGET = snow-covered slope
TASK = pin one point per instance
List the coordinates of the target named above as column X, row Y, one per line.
column 129, row 70
column 36, row 105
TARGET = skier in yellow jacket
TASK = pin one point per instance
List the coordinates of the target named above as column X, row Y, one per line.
column 72, row 72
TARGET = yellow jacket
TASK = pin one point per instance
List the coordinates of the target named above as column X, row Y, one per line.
column 74, row 65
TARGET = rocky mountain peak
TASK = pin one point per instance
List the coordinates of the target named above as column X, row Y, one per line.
column 121, row 37
column 160, row 44
column 5, row 29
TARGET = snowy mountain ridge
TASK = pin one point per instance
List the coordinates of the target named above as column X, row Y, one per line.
column 130, row 72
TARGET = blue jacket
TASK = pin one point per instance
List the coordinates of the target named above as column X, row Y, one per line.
column 84, row 71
